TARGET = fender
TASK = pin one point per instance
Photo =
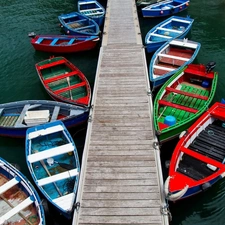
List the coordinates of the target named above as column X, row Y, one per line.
column 175, row 196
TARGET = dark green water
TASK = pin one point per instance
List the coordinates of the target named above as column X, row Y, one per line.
column 19, row 80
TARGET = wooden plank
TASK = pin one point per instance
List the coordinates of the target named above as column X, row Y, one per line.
column 155, row 220
column 120, row 176
column 186, row 93
column 125, row 203
column 121, row 169
column 121, row 211
column 121, row 196
column 121, row 189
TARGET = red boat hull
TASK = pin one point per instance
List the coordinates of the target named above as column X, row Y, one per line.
column 63, row 43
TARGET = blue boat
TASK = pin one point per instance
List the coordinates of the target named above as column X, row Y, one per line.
column 53, row 162
column 170, row 58
column 171, row 28
column 165, row 8
column 92, row 9
column 20, row 202
column 16, row 117
column 75, row 23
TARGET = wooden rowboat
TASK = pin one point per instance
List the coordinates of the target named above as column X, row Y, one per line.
column 92, row 9
column 16, row 117
column 63, row 43
column 198, row 159
column 76, row 23
column 171, row 28
column 64, row 81
column 20, row 202
column 165, row 8
column 53, row 162
column 170, row 58
column 182, row 99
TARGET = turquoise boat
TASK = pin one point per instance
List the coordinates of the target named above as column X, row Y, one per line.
column 53, row 162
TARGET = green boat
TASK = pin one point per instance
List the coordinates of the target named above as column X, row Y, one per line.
column 182, row 99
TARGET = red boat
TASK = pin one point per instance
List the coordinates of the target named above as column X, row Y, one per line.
column 198, row 160
column 63, row 43
column 64, row 81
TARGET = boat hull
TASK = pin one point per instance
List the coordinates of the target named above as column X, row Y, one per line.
column 64, row 82
column 171, row 28
column 174, row 104
column 20, row 202
column 78, row 24
column 198, row 189
column 46, row 46
column 170, row 58
column 92, row 9
column 198, row 158
column 165, row 9
column 10, row 129
column 53, row 162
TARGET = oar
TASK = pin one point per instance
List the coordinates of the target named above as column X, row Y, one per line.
column 12, row 206
column 47, row 171
column 49, row 174
column 68, row 81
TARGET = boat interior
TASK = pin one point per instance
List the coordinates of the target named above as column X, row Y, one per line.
column 210, row 143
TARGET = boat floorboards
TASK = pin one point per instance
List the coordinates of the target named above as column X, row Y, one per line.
column 193, row 168
column 8, row 121
column 183, row 100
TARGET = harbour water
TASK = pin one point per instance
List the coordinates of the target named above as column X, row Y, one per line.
column 19, row 81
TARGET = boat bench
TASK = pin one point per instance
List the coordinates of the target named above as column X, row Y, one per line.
column 22, row 115
column 181, row 107
column 36, row 157
column 65, row 202
column 200, row 73
column 1, row 110
column 173, row 57
column 184, row 44
column 70, row 88
column 51, row 64
column 55, row 113
column 182, row 21
column 58, row 177
column 161, row 36
column 43, row 132
column 6, row 186
column 39, row 40
column 60, row 77
column 170, row 30
column 24, row 204
column 189, row 94
column 54, row 41
column 202, row 157
column 71, row 41
column 163, row 68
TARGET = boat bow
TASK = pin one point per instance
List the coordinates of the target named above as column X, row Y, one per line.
column 174, row 196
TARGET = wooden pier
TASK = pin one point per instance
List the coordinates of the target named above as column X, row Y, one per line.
column 121, row 178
